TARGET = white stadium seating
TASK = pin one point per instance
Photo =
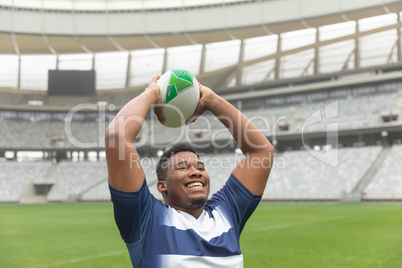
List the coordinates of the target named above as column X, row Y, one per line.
column 74, row 178
column 299, row 175
column 296, row 175
column 15, row 176
column 300, row 75
column 346, row 114
column 387, row 183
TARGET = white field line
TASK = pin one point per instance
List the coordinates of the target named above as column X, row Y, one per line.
column 287, row 225
column 76, row 260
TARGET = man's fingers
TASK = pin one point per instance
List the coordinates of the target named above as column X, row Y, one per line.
column 156, row 78
column 199, row 110
column 197, row 113
column 191, row 120
column 158, row 113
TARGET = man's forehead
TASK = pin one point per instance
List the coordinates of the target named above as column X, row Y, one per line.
column 184, row 157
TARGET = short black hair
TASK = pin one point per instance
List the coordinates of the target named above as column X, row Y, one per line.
column 161, row 167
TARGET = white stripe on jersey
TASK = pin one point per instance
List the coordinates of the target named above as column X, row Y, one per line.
column 204, row 226
column 185, row 261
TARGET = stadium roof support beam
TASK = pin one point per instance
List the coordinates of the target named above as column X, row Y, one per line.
column 110, row 30
column 266, row 78
column 203, row 58
column 317, row 52
column 308, row 66
column 57, row 61
column 165, row 60
column 399, row 44
column 278, row 58
column 93, row 62
column 19, row 72
column 319, row 44
column 241, row 59
column 346, row 63
column 357, row 46
column 229, row 72
column 392, row 51
column 128, row 70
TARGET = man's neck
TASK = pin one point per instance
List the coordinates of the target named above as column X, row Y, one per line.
column 196, row 213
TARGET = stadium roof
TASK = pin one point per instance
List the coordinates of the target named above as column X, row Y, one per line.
column 91, row 26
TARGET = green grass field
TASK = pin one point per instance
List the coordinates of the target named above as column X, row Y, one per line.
column 277, row 235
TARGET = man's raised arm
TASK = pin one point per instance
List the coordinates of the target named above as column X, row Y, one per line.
column 125, row 170
column 254, row 169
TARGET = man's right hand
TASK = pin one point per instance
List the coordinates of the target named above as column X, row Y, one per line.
column 124, row 166
column 157, row 106
column 205, row 102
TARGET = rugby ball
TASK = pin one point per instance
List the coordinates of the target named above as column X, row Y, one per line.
column 180, row 94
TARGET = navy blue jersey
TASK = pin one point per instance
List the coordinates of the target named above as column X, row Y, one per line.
column 158, row 235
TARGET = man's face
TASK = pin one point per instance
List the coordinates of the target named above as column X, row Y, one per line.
column 186, row 185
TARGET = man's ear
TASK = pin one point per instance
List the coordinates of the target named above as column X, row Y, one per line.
column 161, row 186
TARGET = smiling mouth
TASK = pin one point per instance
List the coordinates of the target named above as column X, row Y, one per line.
column 195, row 185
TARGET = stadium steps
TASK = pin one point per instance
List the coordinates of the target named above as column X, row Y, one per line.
column 294, row 124
column 397, row 107
column 28, row 195
column 93, row 186
column 397, row 104
column 49, row 177
column 49, row 174
column 370, row 174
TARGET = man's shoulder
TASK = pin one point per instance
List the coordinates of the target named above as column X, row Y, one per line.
column 222, row 195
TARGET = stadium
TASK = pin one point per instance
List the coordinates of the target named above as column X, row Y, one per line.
column 322, row 82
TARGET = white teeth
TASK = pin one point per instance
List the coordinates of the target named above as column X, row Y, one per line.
column 194, row 184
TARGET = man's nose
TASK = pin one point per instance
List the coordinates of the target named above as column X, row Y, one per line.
column 195, row 172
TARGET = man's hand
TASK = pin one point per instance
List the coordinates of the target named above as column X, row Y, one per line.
column 254, row 169
column 206, row 95
column 124, row 167
column 154, row 88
